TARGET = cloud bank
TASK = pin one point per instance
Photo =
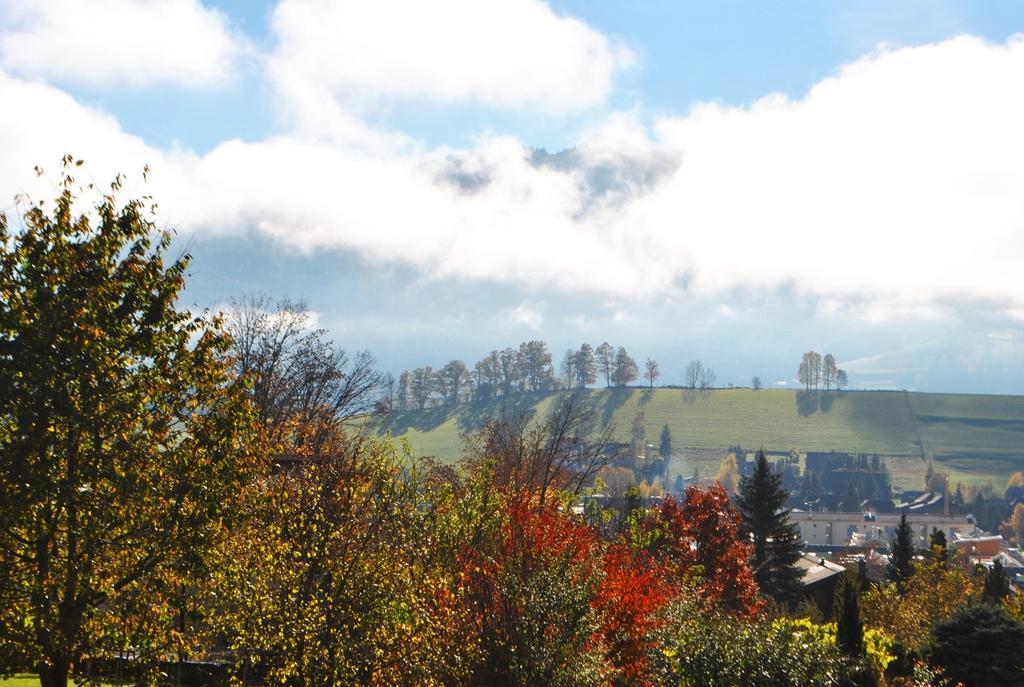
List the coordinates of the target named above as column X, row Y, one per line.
column 515, row 53
column 891, row 189
column 118, row 42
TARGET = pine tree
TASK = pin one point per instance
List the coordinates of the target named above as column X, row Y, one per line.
column 851, row 501
column 849, row 628
column 901, row 554
column 997, row 587
column 776, row 540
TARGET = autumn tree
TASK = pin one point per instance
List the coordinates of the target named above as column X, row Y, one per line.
column 605, row 356
column 329, row 582
column 626, row 370
column 932, row 594
column 776, row 540
column 630, row 600
column 527, row 584
column 488, row 376
column 586, row 366
column 455, row 379
column 510, row 371
column 124, row 434
column 1017, row 522
column 729, row 473
column 580, row 367
column 423, row 385
column 651, row 372
column 535, row 364
column 701, row 538
column 295, row 371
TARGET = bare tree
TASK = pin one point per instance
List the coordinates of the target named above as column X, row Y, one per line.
column 841, row 379
column 708, row 378
column 564, row 451
column 809, row 373
column 606, row 361
column 386, row 400
column 651, row 372
column 828, row 371
column 694, row 373
column 295, row 371
column 803, row 374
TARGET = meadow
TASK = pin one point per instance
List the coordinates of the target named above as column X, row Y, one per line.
column 976, row 438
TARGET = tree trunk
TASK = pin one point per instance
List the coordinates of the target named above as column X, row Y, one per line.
column 54, row 674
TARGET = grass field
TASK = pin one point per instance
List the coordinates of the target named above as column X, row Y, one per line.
column 976, row 438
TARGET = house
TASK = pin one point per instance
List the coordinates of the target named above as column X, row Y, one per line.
column 821, row 578
column 985, row 550
column 838, row 529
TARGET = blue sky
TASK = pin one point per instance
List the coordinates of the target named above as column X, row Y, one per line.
column 742, row 182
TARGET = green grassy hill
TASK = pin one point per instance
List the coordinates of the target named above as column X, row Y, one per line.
column 976, row 438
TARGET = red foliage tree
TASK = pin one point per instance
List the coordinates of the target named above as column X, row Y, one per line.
column 635, row 588
column 528, row 587
column 701, row 538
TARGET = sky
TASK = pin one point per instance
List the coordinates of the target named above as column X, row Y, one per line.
column 735, row 182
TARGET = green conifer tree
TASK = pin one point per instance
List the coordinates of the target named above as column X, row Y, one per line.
column 901, row 553
column 849, row 628
column 851, row 501
column 776, row 540
column 997, row 587
column 666, row 443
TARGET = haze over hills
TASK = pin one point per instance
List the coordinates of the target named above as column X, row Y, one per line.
column 975, row 438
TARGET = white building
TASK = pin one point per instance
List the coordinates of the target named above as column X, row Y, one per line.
column 838, row 529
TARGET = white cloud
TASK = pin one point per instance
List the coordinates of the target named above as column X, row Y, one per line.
column 892, row 190
column 504, row 54
column 525, row 316
column 115, row 42
column 726, row 311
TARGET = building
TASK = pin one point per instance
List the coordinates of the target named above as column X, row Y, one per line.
column 840, row 529
column 821, row 577
column 984, row 550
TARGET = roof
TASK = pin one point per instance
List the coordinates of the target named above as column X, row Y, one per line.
column 817, row 569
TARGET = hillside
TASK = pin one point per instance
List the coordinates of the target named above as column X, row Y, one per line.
column 976, row 438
